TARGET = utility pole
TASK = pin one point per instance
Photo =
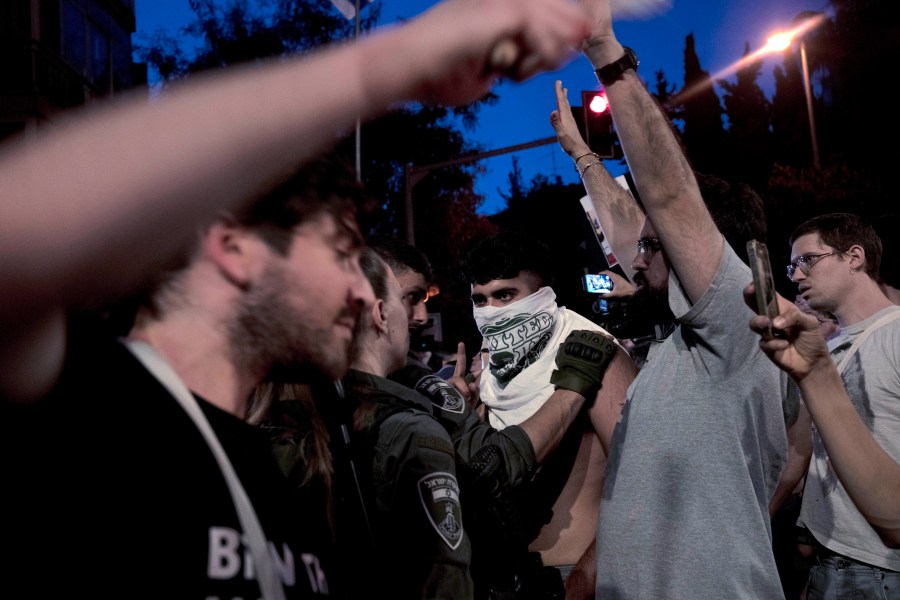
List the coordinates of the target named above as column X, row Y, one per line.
column 414, row 174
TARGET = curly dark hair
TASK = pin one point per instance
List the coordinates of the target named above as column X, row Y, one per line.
column 504, row 256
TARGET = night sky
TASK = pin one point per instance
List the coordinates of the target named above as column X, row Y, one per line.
column 721, row 29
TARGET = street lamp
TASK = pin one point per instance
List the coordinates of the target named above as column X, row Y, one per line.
column 780, row 41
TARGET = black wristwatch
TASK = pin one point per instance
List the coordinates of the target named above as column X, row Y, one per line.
column 614, row 70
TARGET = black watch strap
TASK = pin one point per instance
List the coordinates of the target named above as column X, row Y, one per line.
column 614, row 70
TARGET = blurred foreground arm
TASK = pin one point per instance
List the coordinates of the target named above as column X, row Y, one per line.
column 93, row 204
column 870, row 476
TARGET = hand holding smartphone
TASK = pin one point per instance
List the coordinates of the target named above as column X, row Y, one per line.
column 763, row 282
column 597, row 284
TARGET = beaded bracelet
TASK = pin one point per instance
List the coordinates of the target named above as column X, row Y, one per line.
column 588, row 166
column 594, row 154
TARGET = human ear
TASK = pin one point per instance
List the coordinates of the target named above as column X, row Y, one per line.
column 856, row 256
column 379, row 315
column 227, row 246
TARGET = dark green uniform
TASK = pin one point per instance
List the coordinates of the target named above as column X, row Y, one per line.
column 504, row 506
column 468, row 431
column 406, row 468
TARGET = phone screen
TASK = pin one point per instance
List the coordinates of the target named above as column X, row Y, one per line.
column 766, row 302
column 597, row 284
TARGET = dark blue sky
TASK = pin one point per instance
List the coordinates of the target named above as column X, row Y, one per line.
column 721, row 29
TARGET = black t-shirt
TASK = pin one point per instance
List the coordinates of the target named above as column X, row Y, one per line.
column 111, row 492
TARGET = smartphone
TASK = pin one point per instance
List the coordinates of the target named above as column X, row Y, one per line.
column 597, row 284
column 766, row 302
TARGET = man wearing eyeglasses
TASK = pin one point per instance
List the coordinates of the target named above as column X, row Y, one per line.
column 701, row 443
column 835, row 261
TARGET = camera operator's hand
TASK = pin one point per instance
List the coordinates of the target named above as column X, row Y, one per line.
column 801, row 348
column 581, row 361
column 622, row 288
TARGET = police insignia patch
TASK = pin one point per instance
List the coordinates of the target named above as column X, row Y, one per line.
column 442, row 394
column 439, row 493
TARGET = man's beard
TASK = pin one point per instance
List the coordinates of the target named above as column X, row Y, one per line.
column 271, row 337
column 652, row 302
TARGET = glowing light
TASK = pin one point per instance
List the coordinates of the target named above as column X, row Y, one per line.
column 599, row 103
column 777, row 42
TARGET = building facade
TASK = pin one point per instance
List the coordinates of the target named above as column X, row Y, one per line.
column 57, row 54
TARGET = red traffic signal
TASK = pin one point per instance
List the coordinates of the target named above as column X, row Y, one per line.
column 597, row 102
column 596, row 123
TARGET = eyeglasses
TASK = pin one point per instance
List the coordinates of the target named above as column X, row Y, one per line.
column 647, row 247
column 805, row 262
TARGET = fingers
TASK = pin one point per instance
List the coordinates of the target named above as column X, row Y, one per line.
column 458, row 48
column 760, row 324
column 554, row 119
column 562, row 99
column 750, row 296
column 622, row 288
column 562, row 95
column 773, row 345
column 461, row 363
column 504, row 55
column 555, row 31
column 461, row 385
column 562, row 105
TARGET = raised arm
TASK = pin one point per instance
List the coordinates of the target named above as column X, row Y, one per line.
column 870, row 476
column 91, row 205
column 664, row 179
column 618, row 211
column 590, row 365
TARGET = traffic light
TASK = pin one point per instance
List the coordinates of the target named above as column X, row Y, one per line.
column 595, row 123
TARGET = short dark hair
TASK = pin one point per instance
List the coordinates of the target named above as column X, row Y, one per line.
column 325, row 184
column 400, row 255
column 504, row 256
column 737, row 210
column 842, row 230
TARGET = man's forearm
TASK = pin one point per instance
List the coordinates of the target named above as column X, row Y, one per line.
column 870, row 476
column 662, row 174
column 96, row 202
column 619, row 214
column 547, row 427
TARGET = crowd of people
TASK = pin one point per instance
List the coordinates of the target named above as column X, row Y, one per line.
column 261, row 429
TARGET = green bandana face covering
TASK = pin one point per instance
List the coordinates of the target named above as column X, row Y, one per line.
column 517, row 334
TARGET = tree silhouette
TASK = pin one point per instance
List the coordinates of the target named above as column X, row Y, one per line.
column 704, row 134
column 762, row 142
column 791, row 137
column 749, row 136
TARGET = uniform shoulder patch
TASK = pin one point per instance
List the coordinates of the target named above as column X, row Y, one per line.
column 442, row 394
column 439, row 493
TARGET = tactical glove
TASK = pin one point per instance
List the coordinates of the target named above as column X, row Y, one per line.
column 581, row 362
